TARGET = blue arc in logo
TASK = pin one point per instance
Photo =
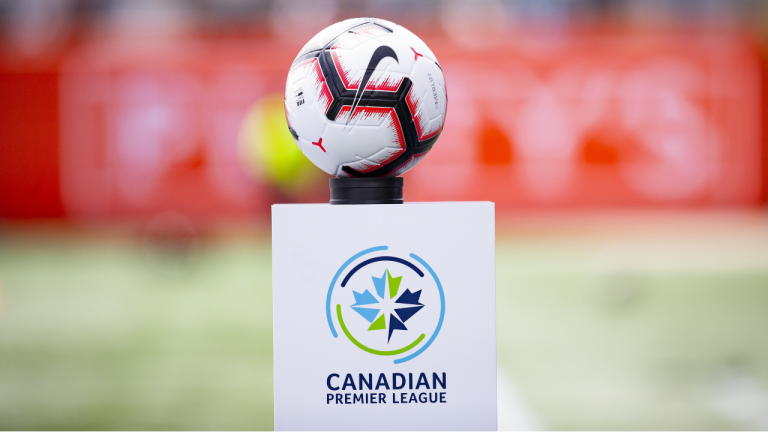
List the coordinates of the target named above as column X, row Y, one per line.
column 442, row 312
column 377, row 259
column 336, row 277
column 399, row 260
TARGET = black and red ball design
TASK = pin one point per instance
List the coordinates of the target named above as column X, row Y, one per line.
column 365, row 98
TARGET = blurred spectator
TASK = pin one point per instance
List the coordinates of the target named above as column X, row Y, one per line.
column 37, row 27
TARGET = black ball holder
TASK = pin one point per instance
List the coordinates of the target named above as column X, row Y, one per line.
column 373, row 190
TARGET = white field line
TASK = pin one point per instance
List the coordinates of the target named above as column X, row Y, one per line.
column 740, row 397
column 513, row 413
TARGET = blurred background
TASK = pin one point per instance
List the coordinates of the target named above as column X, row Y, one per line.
column 623, row 141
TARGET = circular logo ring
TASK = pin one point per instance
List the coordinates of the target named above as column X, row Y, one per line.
column 363, row 264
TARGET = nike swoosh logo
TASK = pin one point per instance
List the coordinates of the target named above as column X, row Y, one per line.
column 380, row 54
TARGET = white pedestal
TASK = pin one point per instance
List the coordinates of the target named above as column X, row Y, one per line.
column 384, row 316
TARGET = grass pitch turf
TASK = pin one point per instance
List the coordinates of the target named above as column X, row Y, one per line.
column 598, row 328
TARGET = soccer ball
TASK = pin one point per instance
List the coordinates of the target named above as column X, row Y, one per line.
column 365, row 98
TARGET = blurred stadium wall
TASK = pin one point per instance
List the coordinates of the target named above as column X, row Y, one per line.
column 121, row 109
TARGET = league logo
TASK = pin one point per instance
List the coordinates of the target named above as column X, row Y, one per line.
column 386, row 305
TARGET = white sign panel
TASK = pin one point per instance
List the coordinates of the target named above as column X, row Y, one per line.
column 384, row 316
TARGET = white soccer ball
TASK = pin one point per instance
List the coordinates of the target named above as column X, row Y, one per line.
column 365, row 98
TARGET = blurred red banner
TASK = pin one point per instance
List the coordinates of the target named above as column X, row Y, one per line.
column 157, row 129
column 534, row 120
column 604, row 119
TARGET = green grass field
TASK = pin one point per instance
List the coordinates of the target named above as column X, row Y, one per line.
column 621, row 322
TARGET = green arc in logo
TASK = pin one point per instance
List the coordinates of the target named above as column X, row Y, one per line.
column 371, row 350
